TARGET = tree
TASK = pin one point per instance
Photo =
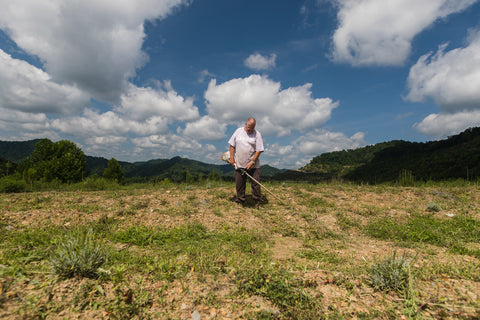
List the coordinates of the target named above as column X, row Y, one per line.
column 6, row 167
column 114, row 171
column 61, row 160
column 214, row 176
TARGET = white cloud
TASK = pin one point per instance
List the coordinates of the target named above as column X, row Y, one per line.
column 142, row 103
column 95, row 125
column 168, row 145
column 303, row 149
column 26, row 88
column 18, row 125
column 206, row 128
column 443, row 125
column 277, row 111
column 92, row 124
column 380, row 32
column 258, row 62
column 451, row 79
column 96, row 45
column 320, row 141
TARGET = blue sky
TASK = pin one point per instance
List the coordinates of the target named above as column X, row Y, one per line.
column 146, row 79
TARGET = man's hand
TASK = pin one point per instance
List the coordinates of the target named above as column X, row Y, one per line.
column 250, row 165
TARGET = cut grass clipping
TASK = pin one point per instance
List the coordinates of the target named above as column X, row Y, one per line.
column 78, row 255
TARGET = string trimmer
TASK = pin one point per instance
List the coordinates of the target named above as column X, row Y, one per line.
column 226, row 158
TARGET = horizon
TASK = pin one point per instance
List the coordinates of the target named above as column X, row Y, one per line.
column 224, row 164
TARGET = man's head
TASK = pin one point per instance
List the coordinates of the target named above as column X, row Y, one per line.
column 250, row 125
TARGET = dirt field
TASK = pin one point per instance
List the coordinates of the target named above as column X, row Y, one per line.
column 318, row 233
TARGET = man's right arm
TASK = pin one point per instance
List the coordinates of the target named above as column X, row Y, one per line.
column 232, row 155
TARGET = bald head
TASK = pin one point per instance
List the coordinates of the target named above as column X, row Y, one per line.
column 250, row 125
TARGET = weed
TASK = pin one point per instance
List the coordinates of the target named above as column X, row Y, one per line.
column 78, row 254
column 433, row 207
column 393, row 273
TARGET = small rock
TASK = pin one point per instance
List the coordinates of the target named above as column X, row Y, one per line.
column 196, row 315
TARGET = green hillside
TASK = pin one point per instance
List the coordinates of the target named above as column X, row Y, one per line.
column 452, row 158
column 16, row 151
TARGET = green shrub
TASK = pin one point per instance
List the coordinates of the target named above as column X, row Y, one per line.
column 12, row 185
column 391, row 274
column 78, row 254
column 433, row 207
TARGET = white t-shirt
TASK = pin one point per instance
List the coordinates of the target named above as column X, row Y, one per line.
column 246, row 145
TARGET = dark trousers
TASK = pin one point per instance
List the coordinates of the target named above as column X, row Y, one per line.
column 241, row 184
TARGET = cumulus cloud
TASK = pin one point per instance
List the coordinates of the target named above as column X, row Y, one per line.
column 259, row 62
column 206, row 128
column 24, row 87
column 279, row 111
column 108, row 124
column 451, row 79
column 168, row 144
column 19, row 125
column 92, row 124
column 446, row 124
column 141, row 103
column 380, row 32
column 94, row 45
column 321, row 141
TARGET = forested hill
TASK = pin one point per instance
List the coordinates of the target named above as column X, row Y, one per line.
column 16, row 151
column 452, row 158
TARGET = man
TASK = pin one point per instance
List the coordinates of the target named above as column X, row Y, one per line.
column 246, row 145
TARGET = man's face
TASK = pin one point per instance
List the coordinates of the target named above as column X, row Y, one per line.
column 250, row 126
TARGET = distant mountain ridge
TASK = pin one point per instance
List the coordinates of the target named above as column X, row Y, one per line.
column 455, row 157
column 159, row 169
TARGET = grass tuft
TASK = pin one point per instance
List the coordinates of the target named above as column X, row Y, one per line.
column 392, row 273
column 78, row 255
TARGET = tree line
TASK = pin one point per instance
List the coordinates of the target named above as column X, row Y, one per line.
column 63, row 162
column 60, row 161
